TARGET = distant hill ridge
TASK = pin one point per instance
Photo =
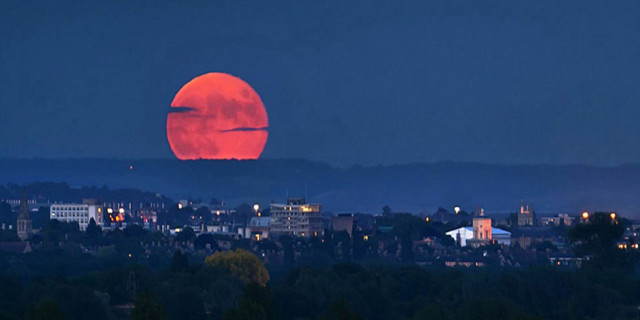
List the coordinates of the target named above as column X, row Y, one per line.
column 413, row 187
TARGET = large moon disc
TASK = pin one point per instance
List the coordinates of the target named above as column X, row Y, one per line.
column 217, row 116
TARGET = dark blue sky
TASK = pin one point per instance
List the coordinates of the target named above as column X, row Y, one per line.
column 380, row 82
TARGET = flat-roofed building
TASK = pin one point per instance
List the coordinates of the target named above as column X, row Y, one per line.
column 296, row 218
column 344, row 222
column 81, row 213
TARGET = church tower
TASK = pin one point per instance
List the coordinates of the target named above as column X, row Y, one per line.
column 24, row 220
column 526, row 217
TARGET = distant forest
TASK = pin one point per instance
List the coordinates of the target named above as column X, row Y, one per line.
column 416, row 188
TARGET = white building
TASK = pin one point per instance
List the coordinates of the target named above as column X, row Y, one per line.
column 296, row 218
column 77, row 212
column 461, row 235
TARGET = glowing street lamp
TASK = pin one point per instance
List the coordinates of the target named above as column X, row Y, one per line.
column 456, row 209
column 585, row 215
column 613, row 215
column 256, row 207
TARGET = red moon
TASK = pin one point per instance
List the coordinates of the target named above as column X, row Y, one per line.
column 217, row 116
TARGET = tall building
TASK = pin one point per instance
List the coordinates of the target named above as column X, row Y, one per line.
column 526, row 216
column 81, row 213
column 24, row 219
column 482, row 227
column 296, row 218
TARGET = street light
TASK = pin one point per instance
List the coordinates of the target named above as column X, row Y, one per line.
column 256, row 207
column 585, row 215
column 613, row 215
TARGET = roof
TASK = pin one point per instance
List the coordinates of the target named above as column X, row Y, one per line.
column 493, row 230
column 499, row 231
column 260, row 222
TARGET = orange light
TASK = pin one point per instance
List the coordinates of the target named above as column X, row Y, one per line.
column 613, row 215
column 426, row 219
column 585, row 215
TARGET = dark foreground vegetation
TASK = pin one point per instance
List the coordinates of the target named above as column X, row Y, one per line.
column 342, row 291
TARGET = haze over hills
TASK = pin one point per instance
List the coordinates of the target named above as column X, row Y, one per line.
column 415, row 188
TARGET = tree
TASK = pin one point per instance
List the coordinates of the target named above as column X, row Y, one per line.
column 6, row 214
column 147, row 308
column 407, row 248
column 240, row 263
column 93, row 230
column 203, row 240
column 187, row 234
column 597, row 239
column 339, row 310
column 287, row 247
column 256, row 304
column 45, row 310
column 203, row 213
column 386, row 211
column 447, row 240
column 179, row 263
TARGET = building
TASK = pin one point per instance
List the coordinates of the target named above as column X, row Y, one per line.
column 525, row 237
column 24, row 226
column 81, row 213
column 461, row 235
column 482, row 231
column 344, row 222
column 501, row 236
column 296, row 218
column 526, row 216
column 559, row 219
column 259, row 227
column 464, row 234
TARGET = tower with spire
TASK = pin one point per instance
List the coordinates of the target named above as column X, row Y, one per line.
column 24, row 219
